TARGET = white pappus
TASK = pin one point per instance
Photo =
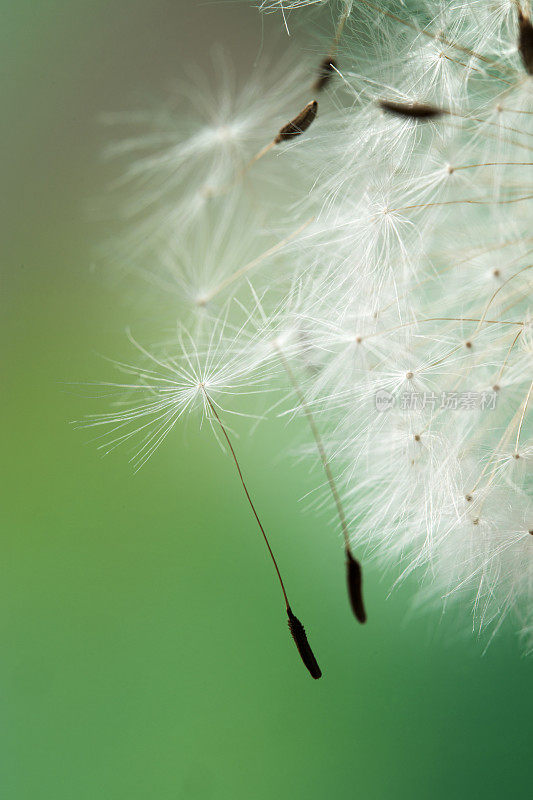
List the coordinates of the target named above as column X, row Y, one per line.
column 390, row 281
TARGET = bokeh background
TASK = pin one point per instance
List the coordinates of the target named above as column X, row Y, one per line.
column 143, row 645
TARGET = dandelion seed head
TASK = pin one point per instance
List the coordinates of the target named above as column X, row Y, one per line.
column 390, row 266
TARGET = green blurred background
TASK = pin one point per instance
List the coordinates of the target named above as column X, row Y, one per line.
column 143, row 645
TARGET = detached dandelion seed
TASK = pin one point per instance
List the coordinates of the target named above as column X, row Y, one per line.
column 295, row 626
column 170, row 388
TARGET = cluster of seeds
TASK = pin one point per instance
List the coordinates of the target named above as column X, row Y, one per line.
column 370, row 260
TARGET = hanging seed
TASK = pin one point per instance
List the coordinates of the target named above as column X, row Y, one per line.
column 411, row 110
column 525, row 41
column 298, row 634
column 295, row 626
column 326, row 71
column 354, row 577
column 299, row 124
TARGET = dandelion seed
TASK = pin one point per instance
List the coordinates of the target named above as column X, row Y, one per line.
column 299, row 124
column 295, row 626
column 174, row 387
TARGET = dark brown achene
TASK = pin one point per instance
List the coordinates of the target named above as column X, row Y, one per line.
column 325, row 73
column 354, row 577
column 420, row 111
column 298, row 634
column 299, row 124
column 525, row 41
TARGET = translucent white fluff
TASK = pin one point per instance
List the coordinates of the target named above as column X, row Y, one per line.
column 174, row 157
column 387, row 259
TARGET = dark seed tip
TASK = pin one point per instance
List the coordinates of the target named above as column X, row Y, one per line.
column 306, row 654
column 354, row 577
column 525, row 41
column 325, row 73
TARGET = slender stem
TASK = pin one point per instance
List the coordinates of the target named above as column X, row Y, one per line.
column 498, row 290
column 264, row 150
column 496, row 164
column 224, row 431
column 320, row 447
column 526, row 402
column 340, row 27
column 506, row 435
column 468, row 201
column 502, row 368
column 241, row 173
column 441, row 319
